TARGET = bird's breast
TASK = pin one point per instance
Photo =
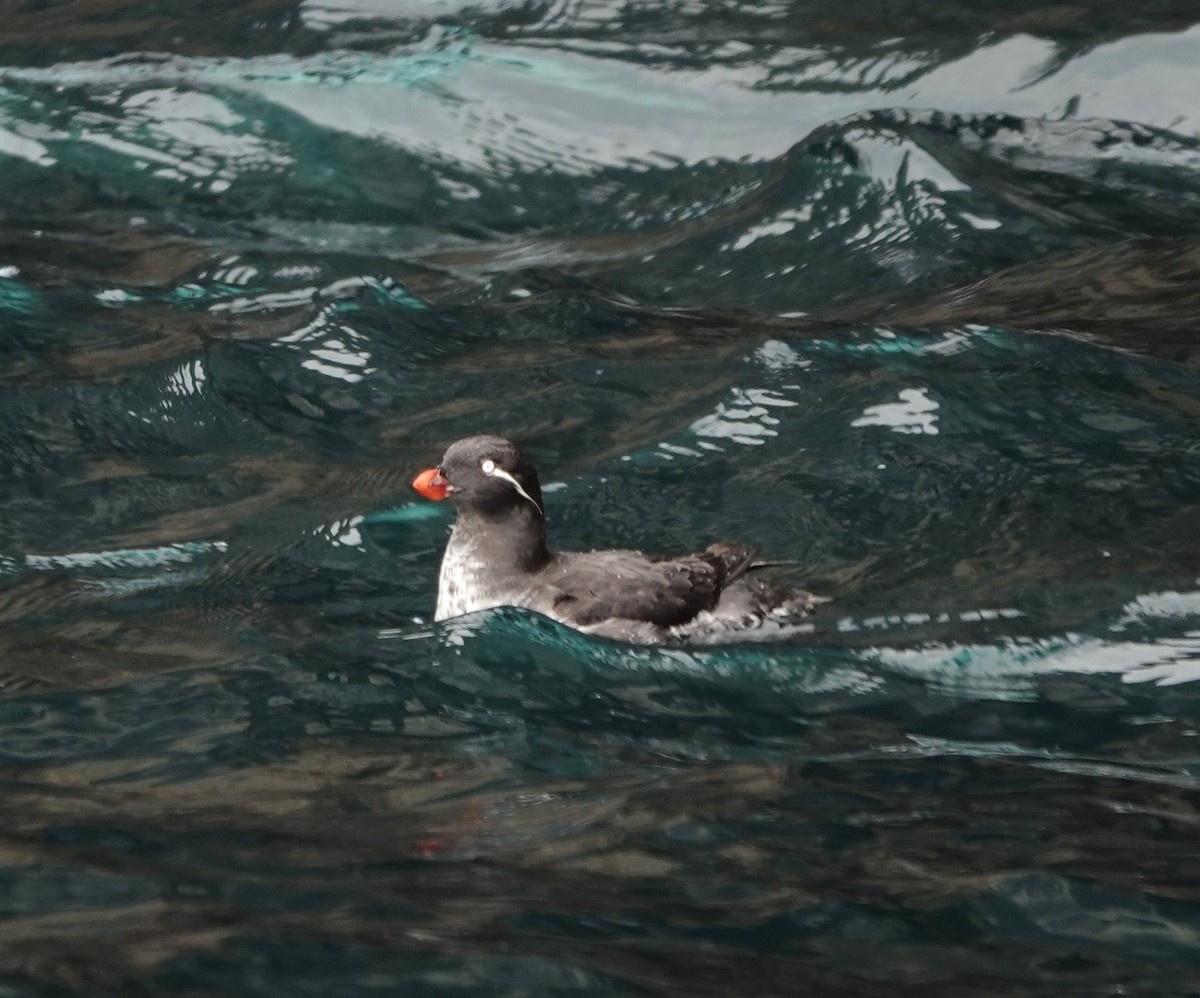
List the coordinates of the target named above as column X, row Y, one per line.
column 461, row 581
column 469, row 581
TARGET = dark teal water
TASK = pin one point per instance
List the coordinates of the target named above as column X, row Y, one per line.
column 906, row 293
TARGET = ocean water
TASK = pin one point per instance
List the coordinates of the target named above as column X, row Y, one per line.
column 907, row 294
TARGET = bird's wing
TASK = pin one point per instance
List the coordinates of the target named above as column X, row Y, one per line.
column 735, row 559
column 628, row 585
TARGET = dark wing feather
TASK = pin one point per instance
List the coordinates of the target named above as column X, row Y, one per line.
column 603, row 585
column 735, row 559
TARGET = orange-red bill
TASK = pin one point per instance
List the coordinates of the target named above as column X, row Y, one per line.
column 432, row 485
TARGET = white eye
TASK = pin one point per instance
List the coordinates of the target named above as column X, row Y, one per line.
column 487, row 466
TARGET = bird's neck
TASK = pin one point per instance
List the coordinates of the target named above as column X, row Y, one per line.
column 512, row 541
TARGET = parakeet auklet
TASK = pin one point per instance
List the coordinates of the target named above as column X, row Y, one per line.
column 497, row 556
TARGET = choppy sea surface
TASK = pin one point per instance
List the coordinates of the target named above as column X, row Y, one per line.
column 908, row 294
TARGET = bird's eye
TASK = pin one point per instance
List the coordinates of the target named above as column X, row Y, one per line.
column 487, row 466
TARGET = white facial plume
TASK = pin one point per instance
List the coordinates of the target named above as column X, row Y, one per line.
column 492, row 470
